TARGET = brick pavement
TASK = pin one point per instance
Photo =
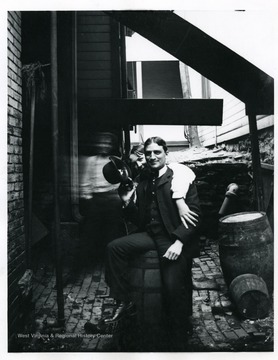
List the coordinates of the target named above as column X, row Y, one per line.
column 216, row 325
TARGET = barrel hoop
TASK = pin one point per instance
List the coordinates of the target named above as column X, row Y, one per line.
column 243, row 229
column 222, row 220
column 149, row 260
column 248, row 282
column 261, row 292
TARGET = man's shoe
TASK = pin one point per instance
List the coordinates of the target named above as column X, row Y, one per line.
column 123, row 309
column 92, row 328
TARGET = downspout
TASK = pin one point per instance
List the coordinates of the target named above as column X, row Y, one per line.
column 55, row 143
column 74, row 131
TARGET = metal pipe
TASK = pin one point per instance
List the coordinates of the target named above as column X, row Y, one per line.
column 55, row 142
column 229, row 205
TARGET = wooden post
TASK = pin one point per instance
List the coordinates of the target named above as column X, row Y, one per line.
column 74, row 129
column 256, row 162
column 55, row 133
column 29, row 238
column 193, row 136
column 139, row 95
column 124, row 87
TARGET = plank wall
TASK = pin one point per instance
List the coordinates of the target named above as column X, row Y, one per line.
column 97, row 74
column 235, row 122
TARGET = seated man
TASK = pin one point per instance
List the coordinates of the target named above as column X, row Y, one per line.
column 152, row 207
column 182, row 177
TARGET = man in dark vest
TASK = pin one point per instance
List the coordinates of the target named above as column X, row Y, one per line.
column 152, row 207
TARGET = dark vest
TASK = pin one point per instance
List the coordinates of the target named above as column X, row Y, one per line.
column 153, row 220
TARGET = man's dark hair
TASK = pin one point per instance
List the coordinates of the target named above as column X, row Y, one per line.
column 137, row 148
column 157, row 140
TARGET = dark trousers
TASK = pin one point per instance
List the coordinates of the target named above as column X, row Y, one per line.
column 175, row 274
column 103, row 221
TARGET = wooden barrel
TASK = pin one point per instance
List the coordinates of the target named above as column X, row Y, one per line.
column 250, row 295
column 246, row 246
column 145, row 285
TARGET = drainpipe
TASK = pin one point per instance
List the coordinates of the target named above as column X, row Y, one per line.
column 229, row 205
column 74, row 132
column 55, row 143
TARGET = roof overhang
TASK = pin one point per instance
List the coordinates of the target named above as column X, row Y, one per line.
column 206, row 55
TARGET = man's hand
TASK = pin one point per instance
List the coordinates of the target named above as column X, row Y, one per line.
column 174, row 251
column 126, row 195
column 186, row 215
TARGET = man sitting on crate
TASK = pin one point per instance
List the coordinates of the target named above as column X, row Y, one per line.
column 151, row 206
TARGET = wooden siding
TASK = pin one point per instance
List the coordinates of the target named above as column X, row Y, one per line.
column 94, row 55
column 235, row 122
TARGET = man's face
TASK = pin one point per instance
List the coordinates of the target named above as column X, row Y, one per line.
column 155, row 156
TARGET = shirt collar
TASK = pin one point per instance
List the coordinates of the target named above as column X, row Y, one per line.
column 162, row 171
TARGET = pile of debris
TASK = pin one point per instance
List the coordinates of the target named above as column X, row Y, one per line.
column 202, row 155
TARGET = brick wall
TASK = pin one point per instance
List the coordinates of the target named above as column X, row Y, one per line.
column 16, row 238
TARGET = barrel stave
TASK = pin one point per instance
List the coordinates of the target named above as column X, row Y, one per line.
column 246, row 246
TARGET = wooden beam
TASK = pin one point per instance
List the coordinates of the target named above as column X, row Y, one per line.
column 55, row 151
column 206, row 55
column 256, row 163
column 122, row 112
column 124, row 88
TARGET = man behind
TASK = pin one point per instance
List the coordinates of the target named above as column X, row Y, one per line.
column 154, row 211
